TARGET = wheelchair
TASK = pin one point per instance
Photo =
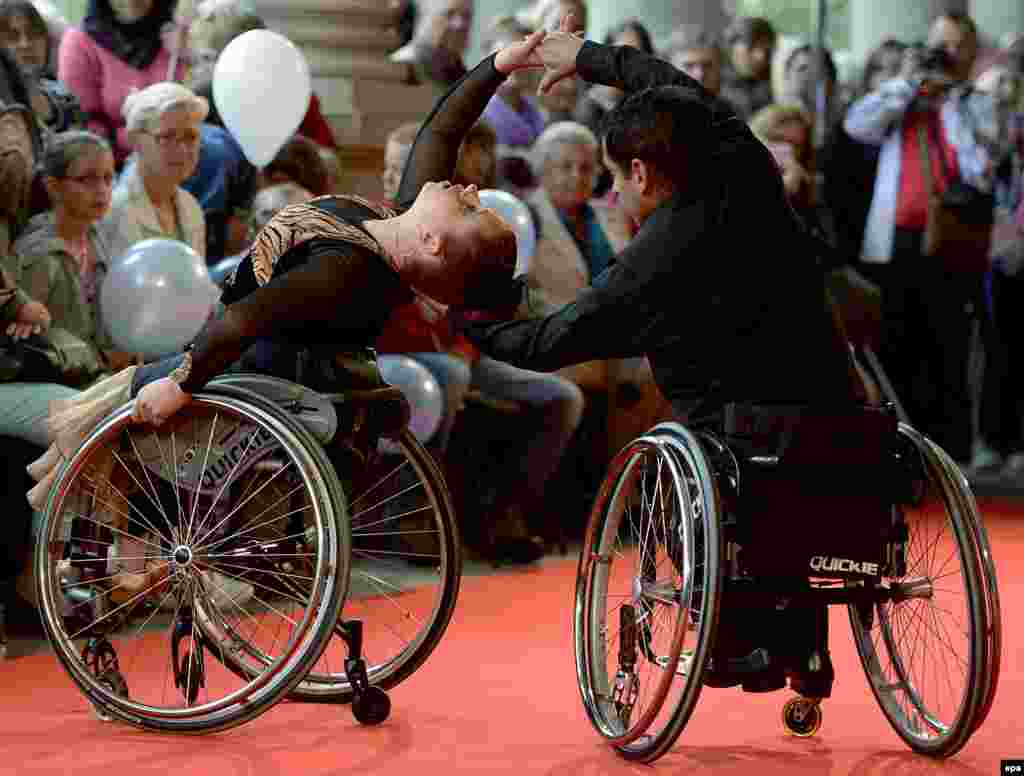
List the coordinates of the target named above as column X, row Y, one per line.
column 269, row 542
column 711, row 558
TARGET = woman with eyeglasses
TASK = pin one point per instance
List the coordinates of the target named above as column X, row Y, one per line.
column 62, row 255
column 163, row 122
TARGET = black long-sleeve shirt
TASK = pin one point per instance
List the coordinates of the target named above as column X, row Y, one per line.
column 720, row 288
column 325, row 290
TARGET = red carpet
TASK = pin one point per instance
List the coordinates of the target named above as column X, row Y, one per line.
column 499, row 695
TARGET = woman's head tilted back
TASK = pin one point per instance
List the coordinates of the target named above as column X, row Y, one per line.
column 78, row 171
column 164, row 121
column 465, row 254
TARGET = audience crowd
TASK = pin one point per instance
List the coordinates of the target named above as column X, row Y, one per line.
column 108, row 136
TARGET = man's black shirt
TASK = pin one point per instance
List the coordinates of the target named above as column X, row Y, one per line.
column 721, row 288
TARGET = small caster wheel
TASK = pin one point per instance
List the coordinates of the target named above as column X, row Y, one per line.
column 115, row 683
column 371, row 707
column 801, row 717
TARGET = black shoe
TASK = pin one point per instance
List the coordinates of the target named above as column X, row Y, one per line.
column 518, row 550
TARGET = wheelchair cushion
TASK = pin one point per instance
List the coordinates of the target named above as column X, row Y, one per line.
column 816, row 488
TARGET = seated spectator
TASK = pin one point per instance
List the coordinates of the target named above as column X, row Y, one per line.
column 478, row 158
column 477, row 163
column 396, row 154
column 436, row 53
column 547, row 14
column 265, row 204
column 62, row 259
column 786, row 129
column 20, row 147
column 164, row 124
column 299, row 161
column 513, row 113
column 552, row 409
column 746, row 82
column 268, row 356
column 217, row 23
column 799, row 82
column 578, row 238
column 118, row 50
column 25, row 34
column 335, row 173
column 268, row 201
column 696, row 52
column 559, row 102
column 223, row 183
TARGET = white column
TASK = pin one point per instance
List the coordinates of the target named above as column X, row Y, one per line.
column 872, row 21
column 997, row 19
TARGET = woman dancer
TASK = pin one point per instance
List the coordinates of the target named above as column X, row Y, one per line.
column 333, row 269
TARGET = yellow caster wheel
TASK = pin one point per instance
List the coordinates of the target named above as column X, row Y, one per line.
column 802, row 716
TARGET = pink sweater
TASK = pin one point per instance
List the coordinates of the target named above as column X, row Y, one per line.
column 101, row 81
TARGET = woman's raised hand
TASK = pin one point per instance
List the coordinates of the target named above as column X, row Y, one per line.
column 558, row 53
column 521, row 55
column 159, row 400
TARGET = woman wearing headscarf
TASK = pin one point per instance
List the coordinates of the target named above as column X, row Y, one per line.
column 119, row 49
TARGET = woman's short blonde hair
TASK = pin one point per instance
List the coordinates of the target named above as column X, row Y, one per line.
column 561, row 133
column 768, row 122
column 142, row 110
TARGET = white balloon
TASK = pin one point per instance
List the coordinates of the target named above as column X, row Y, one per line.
column 421, row 390
column 262, row 89
column 518, row 216
column 156, row 298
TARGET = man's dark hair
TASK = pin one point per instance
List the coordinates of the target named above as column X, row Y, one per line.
column 669, row 127
column 635, row 26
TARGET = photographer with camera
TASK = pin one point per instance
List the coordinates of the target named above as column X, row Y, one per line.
column 926, row 239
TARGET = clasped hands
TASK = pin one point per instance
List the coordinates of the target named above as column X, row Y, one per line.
column 553, row 50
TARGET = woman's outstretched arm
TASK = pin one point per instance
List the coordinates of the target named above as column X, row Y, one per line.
column 436, row 149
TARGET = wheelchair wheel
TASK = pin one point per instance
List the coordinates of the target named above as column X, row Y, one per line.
column 150, row 562
column 928, row 652
column 994, row 622
column 647, row 592
column 406, row 570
